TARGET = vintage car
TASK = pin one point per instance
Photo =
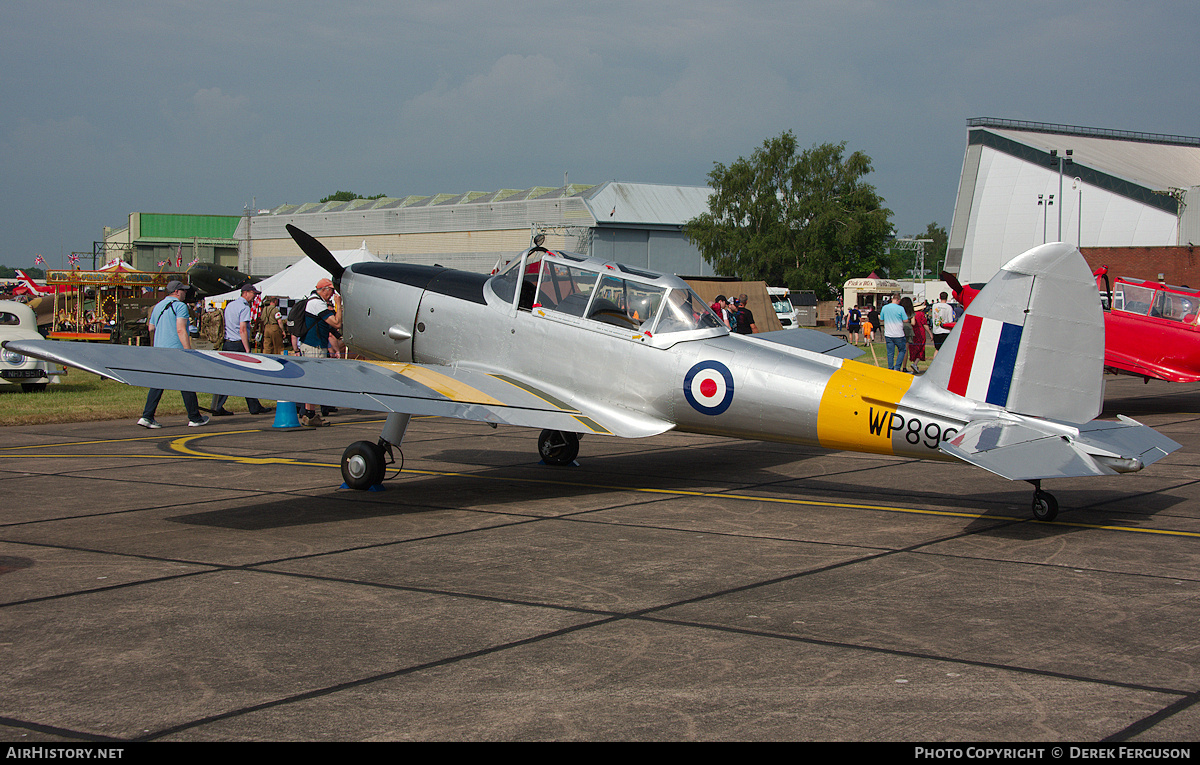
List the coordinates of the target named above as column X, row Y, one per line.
column 1150, row 329
column 18, row 322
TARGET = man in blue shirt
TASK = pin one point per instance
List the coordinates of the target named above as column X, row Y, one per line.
column 238, row 337
column 169, row 328
column 894, row 318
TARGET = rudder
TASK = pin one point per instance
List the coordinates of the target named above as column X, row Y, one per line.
column 1032, row 341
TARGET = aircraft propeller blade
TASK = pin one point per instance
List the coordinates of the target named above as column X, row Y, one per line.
column 318, row 252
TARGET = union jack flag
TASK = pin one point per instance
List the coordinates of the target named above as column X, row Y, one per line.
column 193, row 262
column 39, row 261
column 179, row 255
column 74, row 259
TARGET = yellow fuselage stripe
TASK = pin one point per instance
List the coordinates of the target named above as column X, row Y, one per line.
column 858, row 398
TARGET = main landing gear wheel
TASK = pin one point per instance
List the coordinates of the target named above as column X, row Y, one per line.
column 558, row 447
column 1045, row 506
column 363, row 465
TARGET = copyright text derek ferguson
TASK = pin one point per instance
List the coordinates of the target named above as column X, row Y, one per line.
column 1122, row 752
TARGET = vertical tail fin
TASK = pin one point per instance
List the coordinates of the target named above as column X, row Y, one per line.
column 1032, row 341
column 28, row 283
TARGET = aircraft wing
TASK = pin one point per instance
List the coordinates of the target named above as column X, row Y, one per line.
column 809, row 340
column 420, row 389
column 1020, row 452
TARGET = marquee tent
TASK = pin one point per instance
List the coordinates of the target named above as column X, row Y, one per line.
column 298, row 279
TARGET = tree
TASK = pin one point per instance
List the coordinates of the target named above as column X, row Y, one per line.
column 7, row 272
column 807, row 221
column 941, row 240
column 349, row 196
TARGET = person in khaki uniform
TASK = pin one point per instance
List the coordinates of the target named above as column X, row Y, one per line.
column 272, row 326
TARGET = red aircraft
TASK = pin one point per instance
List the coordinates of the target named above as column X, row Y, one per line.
column 1150, row 329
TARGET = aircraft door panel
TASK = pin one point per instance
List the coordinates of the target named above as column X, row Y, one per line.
column 568, row 353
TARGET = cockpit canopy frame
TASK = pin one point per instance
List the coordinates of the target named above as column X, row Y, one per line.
column 660, row 309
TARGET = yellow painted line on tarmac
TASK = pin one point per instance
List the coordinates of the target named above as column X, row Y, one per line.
column 820, row 503
column 182, row 446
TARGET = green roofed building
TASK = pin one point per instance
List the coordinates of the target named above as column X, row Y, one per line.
column 173, row 239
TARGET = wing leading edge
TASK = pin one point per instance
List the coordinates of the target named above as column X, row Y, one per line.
column 419, row 389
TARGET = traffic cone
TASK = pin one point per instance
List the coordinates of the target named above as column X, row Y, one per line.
column 285, row 416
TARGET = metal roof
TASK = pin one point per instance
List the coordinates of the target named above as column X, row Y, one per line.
column 1147, row 159
column 415, row 200
column 611, row 203
column 646, row 203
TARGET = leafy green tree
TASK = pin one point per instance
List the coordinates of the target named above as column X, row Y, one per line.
column 807, row 221
column 8, row 272
column 941, row 240
column 349, row 196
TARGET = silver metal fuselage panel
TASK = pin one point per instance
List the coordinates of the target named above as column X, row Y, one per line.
column 762, row 392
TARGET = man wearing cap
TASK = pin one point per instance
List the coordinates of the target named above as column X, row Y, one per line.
column 238, row 338
column 324, row 311
column 744, row 317
column 169, row 329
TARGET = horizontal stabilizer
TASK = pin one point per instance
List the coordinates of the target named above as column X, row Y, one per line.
column 1127, row 437
column 1020, row 451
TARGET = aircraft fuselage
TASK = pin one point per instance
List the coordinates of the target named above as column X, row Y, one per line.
column 720, row 384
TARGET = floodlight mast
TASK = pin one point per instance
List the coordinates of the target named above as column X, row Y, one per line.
column 917, row 245
column 1067, row 160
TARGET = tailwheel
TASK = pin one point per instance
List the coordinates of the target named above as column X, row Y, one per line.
column 1045, row 506
column 558, row 447
column 363, row 465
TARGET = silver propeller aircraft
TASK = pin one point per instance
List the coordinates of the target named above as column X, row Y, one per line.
column 577, row 345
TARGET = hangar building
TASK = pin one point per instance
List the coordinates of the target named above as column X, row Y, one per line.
column 633, row 223
column 1110, row 188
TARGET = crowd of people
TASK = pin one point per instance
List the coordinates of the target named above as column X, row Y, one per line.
column 735, row 314
column 905, row 327
column 248, row 324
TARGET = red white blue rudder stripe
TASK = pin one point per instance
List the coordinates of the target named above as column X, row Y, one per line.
column 985, row 359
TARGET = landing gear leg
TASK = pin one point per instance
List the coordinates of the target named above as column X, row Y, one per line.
column 1045, row 506
column 364, row 464
column 558, row 447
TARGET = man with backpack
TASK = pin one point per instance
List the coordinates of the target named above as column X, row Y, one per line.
column 312, row 324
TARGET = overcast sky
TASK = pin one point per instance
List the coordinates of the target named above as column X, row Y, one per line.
column 207, row 107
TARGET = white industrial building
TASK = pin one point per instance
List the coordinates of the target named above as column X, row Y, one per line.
column 637, row 224
column 1025, row 183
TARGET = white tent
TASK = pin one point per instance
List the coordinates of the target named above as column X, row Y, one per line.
column 298, row 279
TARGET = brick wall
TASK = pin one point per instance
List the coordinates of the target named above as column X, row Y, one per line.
column 1178, row 265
